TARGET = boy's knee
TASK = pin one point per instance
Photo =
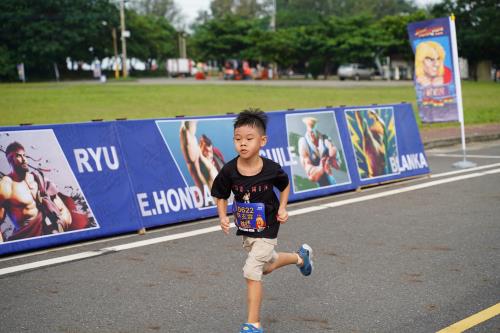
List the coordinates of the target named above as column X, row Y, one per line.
column 268, row 268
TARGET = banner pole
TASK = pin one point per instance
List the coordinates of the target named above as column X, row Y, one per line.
column 464, row 164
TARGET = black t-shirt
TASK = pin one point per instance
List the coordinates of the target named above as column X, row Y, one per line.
column 259, row 187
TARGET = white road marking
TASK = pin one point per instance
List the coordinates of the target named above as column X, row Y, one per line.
column 456, row 172
column 301, row 211
column 310, row 201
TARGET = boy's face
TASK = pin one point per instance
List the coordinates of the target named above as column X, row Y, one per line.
column 248, row 140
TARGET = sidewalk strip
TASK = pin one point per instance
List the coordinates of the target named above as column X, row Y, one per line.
column 461, row 155
column 88, row 254
column 473, row 320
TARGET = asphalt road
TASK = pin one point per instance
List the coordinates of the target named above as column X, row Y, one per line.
column 414, row 260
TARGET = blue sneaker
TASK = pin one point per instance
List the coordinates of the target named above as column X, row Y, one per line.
column 306, row 253
column 249, row 328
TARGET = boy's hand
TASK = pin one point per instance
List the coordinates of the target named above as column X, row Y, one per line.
column 224, row 224
column 282, row 215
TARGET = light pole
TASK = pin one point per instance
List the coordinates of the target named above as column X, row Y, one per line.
column 124, row 42
column 273, row 29
column 115, row 49
column 182, row 45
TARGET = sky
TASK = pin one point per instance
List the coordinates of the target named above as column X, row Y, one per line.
column 190, row 8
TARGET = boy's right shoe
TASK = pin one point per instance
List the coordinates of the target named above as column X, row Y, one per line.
column 306, row 253
column 249, row 328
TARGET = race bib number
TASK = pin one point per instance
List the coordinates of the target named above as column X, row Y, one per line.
column 250, row 217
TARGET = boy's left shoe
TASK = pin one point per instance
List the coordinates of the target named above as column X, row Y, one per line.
column 249, row 328
column 306, row 253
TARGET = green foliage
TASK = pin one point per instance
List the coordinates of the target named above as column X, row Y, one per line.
column 352, row 39
column 40, row 33
column 394, row 35
column 243, row 8
column 313, row 35
column 478, row 27
column 7, row 65
column 293, row 13
column 230, row 37
column 152, row 37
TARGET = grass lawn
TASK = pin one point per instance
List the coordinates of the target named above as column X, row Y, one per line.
column 51, row 103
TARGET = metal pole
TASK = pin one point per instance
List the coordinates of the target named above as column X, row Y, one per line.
column 124, row 43
column 115, row 48
column 464, row 163
column 273, row 28
column 182, row 45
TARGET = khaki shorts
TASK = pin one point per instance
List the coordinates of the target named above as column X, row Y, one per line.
column 260, row 252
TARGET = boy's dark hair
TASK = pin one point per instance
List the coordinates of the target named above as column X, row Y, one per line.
column 252, row 117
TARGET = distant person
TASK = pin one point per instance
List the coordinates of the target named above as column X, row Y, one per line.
column 202, row 169
column 32, row 203
column 429, row 65
column 318, row 155
column 258, row 211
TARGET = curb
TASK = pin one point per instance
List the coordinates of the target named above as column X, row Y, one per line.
column 455, row 141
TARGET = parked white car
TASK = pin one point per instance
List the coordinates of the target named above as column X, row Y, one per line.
column 354, row 71
column 181, row 67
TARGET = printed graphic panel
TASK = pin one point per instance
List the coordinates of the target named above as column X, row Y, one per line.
column 374, row 141
column 322, row 163
column 434, row 70
column 200, row 147
column 39, row 194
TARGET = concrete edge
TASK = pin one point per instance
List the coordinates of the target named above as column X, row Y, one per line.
column 455, row 141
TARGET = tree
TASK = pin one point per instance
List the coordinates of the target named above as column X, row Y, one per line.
column 308, row 12
column 220, row 8
column 242, row 8
column 41, row 33
column 228, row 37
column 478, row 28
column 352, row 39
column 167, row 9
column 152, row 38
column 394, row 39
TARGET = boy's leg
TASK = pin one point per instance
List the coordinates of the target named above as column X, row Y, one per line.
column 284, row 259
column 254, row 301
column 260, row 251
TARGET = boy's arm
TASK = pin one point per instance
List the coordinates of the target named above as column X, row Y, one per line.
column 223, row 218
column 282, row 213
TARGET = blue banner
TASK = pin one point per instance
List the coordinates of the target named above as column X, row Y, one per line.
column 435, row 82
column 61, row 184
column 66, row 183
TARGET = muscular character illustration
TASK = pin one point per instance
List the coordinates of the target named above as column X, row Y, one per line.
column 31, row 202
column 213, row 154
column 201, row 168
column 318, row 154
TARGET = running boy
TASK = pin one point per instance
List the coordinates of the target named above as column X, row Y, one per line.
column 257, row 211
